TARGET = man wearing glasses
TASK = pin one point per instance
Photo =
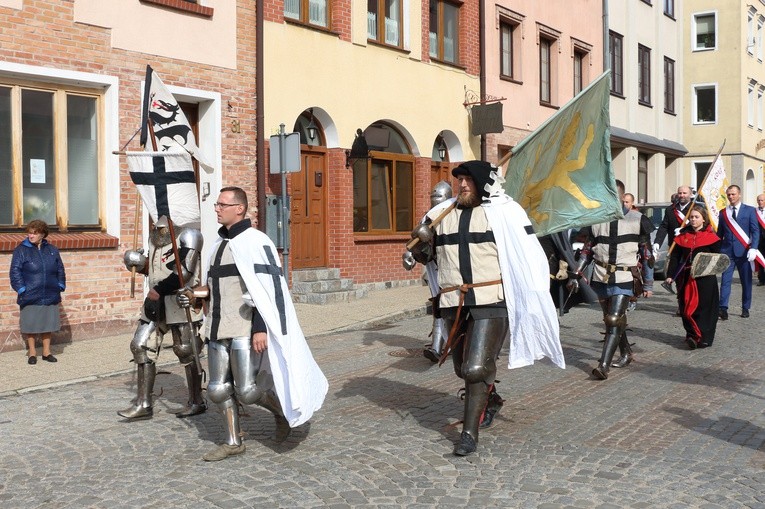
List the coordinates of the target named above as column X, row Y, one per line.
column 251, row 325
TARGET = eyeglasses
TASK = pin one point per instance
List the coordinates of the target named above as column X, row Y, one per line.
column 219, row 205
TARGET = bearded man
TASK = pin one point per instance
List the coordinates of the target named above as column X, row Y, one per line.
column 493, row 280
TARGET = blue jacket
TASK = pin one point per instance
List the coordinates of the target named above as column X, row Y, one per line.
column 747, row 219
column 37, row 275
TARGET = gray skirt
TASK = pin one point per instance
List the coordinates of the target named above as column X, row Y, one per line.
column 39, row 319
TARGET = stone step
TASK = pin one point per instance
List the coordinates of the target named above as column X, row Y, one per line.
column 305, row 275
column 325, row 298
column 325, row 286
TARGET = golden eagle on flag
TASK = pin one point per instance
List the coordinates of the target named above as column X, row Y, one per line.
column 561, row 173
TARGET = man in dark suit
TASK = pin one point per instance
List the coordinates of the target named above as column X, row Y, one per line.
column 674, row 218
column 761, row 220
column 739, row 230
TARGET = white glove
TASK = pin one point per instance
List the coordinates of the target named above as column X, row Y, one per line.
column 677, row 231
column 751, row 255
column 656, row 250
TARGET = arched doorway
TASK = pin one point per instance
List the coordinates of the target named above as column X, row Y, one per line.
column 308, row 205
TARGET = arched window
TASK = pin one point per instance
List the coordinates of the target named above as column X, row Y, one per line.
column 383, row 184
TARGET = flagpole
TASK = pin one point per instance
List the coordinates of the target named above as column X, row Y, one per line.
column 693, row 203
column 179, row 268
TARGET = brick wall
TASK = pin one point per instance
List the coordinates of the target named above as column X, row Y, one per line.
column 97, row 302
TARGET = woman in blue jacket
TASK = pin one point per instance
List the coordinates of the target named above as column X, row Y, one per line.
column 37, row 275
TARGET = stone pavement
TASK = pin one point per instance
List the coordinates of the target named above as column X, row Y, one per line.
column 89, row 359
column 676, row 429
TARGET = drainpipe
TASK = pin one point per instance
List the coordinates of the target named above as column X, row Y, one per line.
column 260, row 144
column 482, row 63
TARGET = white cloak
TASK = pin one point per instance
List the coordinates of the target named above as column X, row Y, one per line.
column 298, row 380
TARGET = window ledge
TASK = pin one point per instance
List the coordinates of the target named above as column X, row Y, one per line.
column 317, row 28
column 63, row 241
column 510, row 80
column 181, row 5
column 384, row 237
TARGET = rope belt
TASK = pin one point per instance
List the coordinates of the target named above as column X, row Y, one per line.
column 612, row 268
column 463, row 289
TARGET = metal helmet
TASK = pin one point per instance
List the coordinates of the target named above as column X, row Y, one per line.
column 441, row 192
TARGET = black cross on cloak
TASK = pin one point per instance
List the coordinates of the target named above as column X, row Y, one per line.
column 160, row 178
column 276, row 272
column 216, row 272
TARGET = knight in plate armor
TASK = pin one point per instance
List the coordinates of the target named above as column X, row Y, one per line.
column 161, row 314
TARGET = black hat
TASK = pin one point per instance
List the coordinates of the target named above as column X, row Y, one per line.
column 480, row 172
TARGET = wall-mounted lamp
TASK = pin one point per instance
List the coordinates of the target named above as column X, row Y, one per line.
column 311, row 127
column 359, row 149
column 441, row 148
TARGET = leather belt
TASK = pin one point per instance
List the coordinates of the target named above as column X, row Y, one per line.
column 463, row 291
column 612, row 268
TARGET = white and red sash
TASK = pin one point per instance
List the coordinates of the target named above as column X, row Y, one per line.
column 760, row 219
column 741, row 235
column 679, row 216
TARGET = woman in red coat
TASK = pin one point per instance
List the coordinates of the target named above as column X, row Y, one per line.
column 699, row 297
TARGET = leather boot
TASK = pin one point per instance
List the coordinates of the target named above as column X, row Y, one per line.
column 625, row 353
column 196, row 404
column 493, row 405
column 142, row 408
column 476, row 397
column 270, row 402
column 234, row 444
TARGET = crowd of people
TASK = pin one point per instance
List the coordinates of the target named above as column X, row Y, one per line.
column 489, row 274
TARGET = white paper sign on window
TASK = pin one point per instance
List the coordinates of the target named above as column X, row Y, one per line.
column 37, row 171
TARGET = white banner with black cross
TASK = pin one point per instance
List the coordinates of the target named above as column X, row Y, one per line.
column 167, row 185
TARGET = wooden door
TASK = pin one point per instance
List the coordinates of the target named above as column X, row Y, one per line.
column 308, row 226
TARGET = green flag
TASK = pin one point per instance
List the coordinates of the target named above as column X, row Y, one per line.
column 561, row 173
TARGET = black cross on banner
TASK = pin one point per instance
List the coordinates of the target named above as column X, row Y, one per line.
column 216, row 272
column 276, row 272
column 160, row 178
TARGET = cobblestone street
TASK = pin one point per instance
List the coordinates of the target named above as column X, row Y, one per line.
column 677, row 428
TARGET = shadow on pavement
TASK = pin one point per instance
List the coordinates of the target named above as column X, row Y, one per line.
column 728, row 429
column 431, row 409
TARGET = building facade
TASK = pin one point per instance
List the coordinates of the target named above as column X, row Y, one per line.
column 537, row 57
column 393, row 73
column 725, row 83
column 71, row 76
column 645, row 54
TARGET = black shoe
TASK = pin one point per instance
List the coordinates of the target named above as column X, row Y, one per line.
column 600, row 372
column 760, row 283
column 466, row 446
column 704, row 345
column 49, row 358
column 691, row 343
column 431, row 354
column 32, row 359
column 493, row 405
column 723, row 314
column 744, row 313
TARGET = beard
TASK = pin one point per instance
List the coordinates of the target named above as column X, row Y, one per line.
column 468, row 200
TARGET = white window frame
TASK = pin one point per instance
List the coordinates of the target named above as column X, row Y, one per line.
column 750, row 41
column 760, row 109
column 108, row 86
column 694, row 104
column 758, row 36
column 693, row 30
column 750, row 104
